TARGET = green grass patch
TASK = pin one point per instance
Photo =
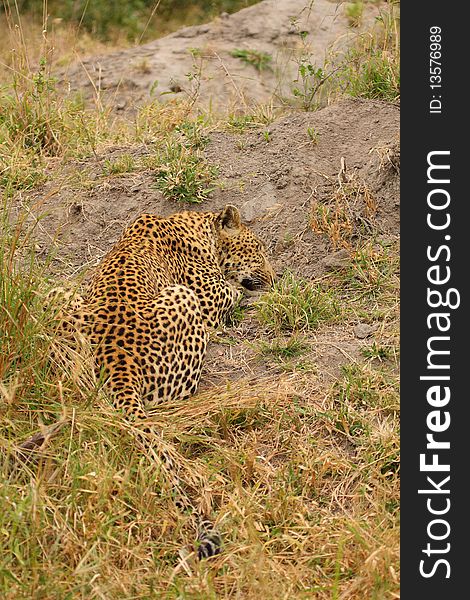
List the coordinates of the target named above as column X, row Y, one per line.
column 376, row 78
column 291, row 347
column 194, row 133
column 288, row 353
column 182, row 174
column 376, row 351
column 365, row 387
column 259, row 60
column 123, row 164
column 295, row 304
column 241, row 123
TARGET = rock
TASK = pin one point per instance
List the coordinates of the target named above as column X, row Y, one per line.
column 338, row 260
column 363, row 330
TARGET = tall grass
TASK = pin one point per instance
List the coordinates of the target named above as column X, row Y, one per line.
column 295, row 304
column 37, row 121
column 21, row 311
column 372, row 66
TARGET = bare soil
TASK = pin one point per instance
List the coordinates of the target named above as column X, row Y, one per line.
column 274, row 183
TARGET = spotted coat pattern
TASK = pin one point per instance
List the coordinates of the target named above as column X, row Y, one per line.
column 157, row 293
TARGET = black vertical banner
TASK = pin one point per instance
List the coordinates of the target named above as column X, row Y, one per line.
column 435, row 257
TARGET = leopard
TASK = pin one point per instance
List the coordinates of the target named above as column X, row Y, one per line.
column 152, row 303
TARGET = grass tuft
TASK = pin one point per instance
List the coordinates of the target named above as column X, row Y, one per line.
column 291, row 347
column 123, row 164
column 259, row 60
column 182, row 174
column 368, row 387
column 346, row 216
column 296, row 305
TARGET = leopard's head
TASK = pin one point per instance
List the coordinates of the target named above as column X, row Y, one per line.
column 242, row 255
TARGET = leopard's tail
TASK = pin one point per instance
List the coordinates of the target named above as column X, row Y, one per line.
column 209, row 542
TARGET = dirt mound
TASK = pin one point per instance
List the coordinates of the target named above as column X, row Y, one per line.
column 200, row 60
column 275, row 176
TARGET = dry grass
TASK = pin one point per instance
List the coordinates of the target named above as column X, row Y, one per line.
column 346, row 216
column 312, row 503
column 22, row 38
column 302, row 480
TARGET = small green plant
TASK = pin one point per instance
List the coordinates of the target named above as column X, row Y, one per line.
column 310, row 77
column 309, row 81
column 259, row 60
column 267, row 136
column 376, row 351
column 123, row 164
column 313, row 135
column 182, row 174
column 296, row 305
column 240, row 123
column 282, row 349
column 194, row 77
column 354, row 12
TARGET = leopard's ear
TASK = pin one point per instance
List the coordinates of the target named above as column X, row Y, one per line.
column 229, row 219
